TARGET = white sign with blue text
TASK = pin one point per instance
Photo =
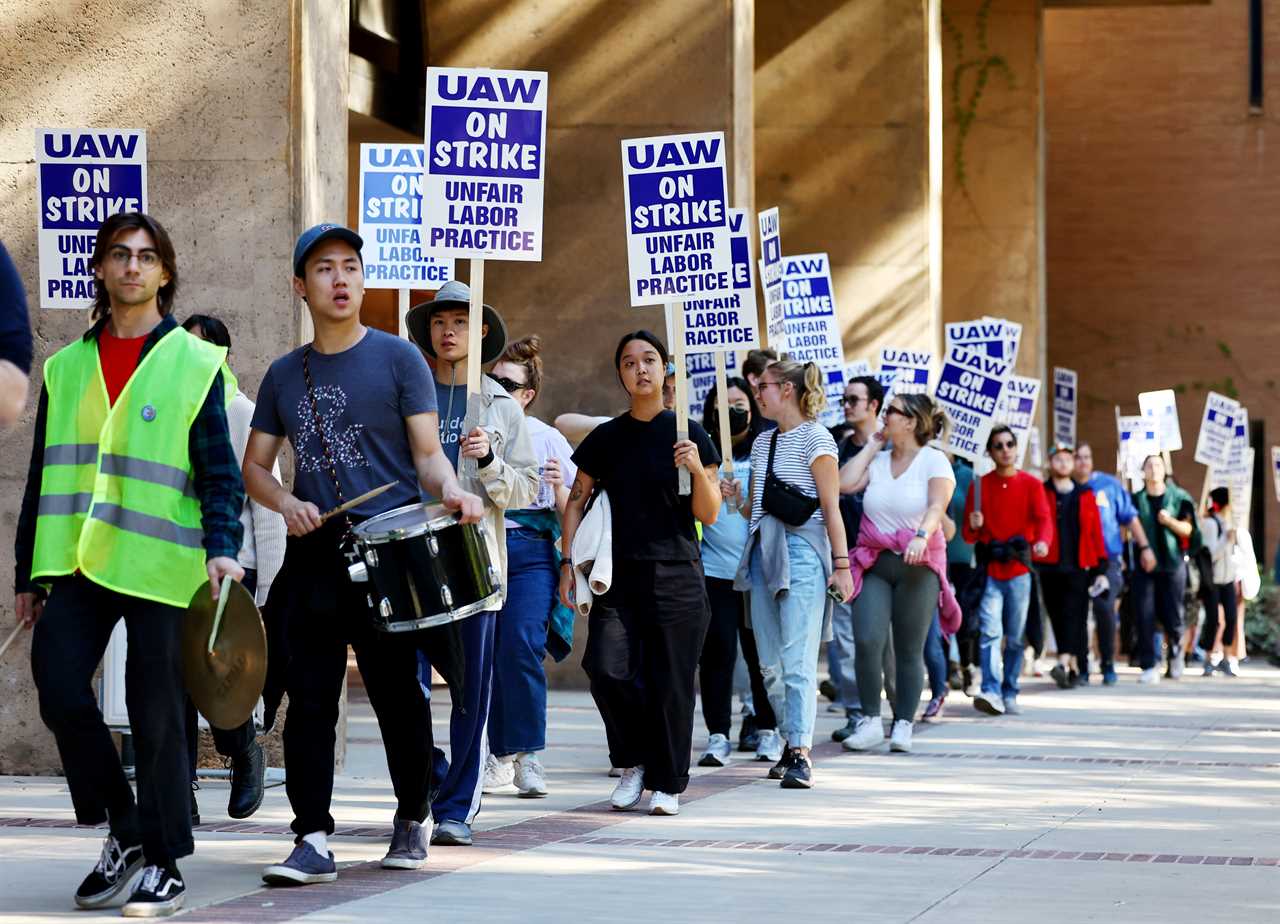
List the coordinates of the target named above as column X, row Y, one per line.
column 1161, row 408
column 813, row 328
column 904, row 372
column 486, row 143
column 1017, row 408
column 701, row 370
column 391, row 220
column 771, row 279
column 1275, row 470
column 969, row 389
column 727, row 322
column 1065, row 402
column 677, row 218
column 1217, row 430
column 1139, row 437
column 994, row 336
column 83, row 177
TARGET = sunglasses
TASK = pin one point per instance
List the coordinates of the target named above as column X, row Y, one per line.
column 893, row 410
column 511, row 386
column 851, row 400
column 1003, row 445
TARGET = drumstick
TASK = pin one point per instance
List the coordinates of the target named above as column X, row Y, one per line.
column 9, row 640
column 356, row 502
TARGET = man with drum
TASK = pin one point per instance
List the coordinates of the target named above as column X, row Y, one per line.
column 359, row 409
column 506, row 478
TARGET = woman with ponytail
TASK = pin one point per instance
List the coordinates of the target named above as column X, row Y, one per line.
column 899, row 561
column 795, row 562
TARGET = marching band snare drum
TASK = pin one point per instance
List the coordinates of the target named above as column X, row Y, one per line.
column 426, row 568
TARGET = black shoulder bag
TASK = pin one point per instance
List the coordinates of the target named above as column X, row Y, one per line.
column 782, row 500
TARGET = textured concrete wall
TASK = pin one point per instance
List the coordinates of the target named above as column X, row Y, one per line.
column 1163, row 202
column 229, row 177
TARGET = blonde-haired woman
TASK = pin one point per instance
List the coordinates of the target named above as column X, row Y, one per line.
column 899, row 561
column 795, row 550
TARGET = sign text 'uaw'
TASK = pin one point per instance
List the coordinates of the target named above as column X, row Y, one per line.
column 969, row 389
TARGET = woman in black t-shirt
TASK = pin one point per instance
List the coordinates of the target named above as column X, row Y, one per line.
column 645, row 633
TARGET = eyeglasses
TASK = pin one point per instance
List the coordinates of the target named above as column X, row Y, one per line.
column 123, row 256
column 852, row 400
column 511, row 386
column 1003, row 445
column 762, row 385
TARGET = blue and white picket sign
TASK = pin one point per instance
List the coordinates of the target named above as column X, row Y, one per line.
column 1237, row 478
column 1017, row 408
column 813, row 327
column 1065, row 405
column 969, row 389
column 1217, row 430
column 986, row 335
column 486, row 144
column 391, row 220
column 701, row 370
column 1161, row 408
column 911, row 368
column 1275, row 470
column 1013, row 337
column 1240, row 439
column 725, row 323
column 83, row 177
column 771, row 279
column 1139, row 437
column 856, row 368
column 677, row 218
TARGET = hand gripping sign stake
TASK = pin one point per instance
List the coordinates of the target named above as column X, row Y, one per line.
column 676, row 311
column 722, row 414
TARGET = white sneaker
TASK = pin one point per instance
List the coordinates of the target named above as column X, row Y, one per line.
column 630, row 788
column 664, row 803
column 1011, row 706
column 900, row 739
column 867, row 734
column 1150, row 675
column 990, row 703
column 530, row 778
column 717, row 753
column 1176, row 667
column 770, row 746
column 498, row 773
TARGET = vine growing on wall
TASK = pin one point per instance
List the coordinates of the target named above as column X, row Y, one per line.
column 964, row 105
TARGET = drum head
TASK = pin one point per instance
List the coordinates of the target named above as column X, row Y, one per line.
column 404, row 523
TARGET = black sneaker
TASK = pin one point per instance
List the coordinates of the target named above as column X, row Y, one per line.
column 160, row 893
column 117, row 866
column 248, row 782
column 777, row 770
column 828, row 689
column 1060, row 677
column 749, row 734
column 847, row 729
column 799, row 775
column 195, row 806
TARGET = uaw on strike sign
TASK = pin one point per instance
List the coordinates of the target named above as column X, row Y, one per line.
column 969, row 389
column 725, row 322
column 391, row 220
column 83, row 177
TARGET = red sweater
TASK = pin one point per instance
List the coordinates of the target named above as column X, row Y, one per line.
column 1010, row 507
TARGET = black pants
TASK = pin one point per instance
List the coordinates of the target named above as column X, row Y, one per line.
column 1159, row 596
column 66, row 647
column 727, row 629
column 326, row 612
column 1223, row 595
column 1066, row 597
column 643, row 641
column 968, row 583
column 1104, row 614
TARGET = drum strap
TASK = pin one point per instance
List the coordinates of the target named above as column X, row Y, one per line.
column 347, row 537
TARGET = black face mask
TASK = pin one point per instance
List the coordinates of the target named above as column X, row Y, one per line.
column 739, row 420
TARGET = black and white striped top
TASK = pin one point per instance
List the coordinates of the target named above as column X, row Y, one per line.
column 797, row 448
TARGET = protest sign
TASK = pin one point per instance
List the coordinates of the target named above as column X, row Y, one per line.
column 813, row 329
column 1217, row 430
column 1035, row 454
column 1064, row 406
column 771, row 280
column 1161, row 408
column 856, row 368
column 83, row 177
column 1017, row 408
column 1013, row 337
column 677, row 218
column 486, row 140
column 701, row 370
column 1275, row 470
column 1239, row 439
column 726, row 322
column 911, row 368
column 988, row 335
column 1138, row 437
column 969, row 388
column 1237, row 478
column 391, row 220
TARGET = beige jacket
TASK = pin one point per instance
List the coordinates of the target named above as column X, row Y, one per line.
column 510, row 481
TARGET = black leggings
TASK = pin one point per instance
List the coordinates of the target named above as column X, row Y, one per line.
column 728, row 629
column 1223, row 595
column 1066, row 597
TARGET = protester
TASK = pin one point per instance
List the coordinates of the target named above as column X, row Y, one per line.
column 722, row 546
column 532, row 618
column 1219, row 636
column 103, row 536
column 754, row 364
column 645, row 633
column 1115, row 507
column 1009, row 522
column 965, row 672
column 1168, row 515
column 796, row 550
column 15, row 342
column 900, row 561
column 1073, row 569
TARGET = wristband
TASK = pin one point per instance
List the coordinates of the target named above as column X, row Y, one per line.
column 921, row 534
column 565, row 561
column 1143, row 548
column 841, row 568
column 487, row 460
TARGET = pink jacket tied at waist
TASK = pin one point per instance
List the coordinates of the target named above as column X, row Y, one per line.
column 871, row 542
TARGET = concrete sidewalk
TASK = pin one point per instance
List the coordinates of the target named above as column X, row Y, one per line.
column 1121, row 804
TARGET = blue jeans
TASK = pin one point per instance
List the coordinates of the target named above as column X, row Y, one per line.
column 788, row 629
column 840, row 652
column 1002, row 615
column 935, row 658
column 518, row 708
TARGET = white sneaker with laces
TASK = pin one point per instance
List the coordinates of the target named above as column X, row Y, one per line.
column 664, row 803
column 900, row 738
column 990, row 703
column 626, row 795
column 770, row 746
column 1150, row 675
column 717, row 752
column 530, row 779
column 867, row 734
column 1176, row 666
column 498, row 773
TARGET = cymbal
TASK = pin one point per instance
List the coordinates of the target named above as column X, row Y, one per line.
column 224, row 654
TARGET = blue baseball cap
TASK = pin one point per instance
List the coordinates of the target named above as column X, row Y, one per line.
column 311, row 238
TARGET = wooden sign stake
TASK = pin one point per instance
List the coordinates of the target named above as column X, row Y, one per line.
column 722, row 412
column 402, row 312
column 682, row 390
column 475, row 321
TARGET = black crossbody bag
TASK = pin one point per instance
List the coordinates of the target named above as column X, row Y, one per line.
column 782, row 500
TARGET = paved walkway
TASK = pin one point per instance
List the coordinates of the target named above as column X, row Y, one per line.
column 1124, row 804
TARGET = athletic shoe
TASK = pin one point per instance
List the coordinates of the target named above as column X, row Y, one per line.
column 1210, row 667
column 845, row 730
column 770, row 746
column 664, row 803
column 530, row 778
column 1011, row 706
column 1176, row 667
column 116, row 868
column 935, row 708
column 408, row 848
column 900, row 739
column 160, row 893
column 748, row 734
column 973, row 683
column 1108, row 676
column 615, row 772
column 799, row 773
column 955, row 676
column 717, row 753
column 498, row 774
column 450, row 833
column 867, row 734
column 778, row 770
column 1081, row 680
column 1150, row 675
column 305, row 866
column 1061, row 677
column 828, row 690
column 989, row 703
column 248, row 782
column 1228, row 668
column 630, row 788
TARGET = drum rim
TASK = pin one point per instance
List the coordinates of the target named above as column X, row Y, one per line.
column 432, row 524
column 434, row 620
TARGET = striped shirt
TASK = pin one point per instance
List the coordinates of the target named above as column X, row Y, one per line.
column 792, row 461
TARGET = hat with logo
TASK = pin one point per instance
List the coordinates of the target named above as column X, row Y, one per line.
column 313, row 237
column 456, row 294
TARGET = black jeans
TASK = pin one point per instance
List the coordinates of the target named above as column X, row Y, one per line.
column 728, row 628
column 1066, row 597
column 643, row 641
column 1159, row 596
column 66, row 647
column 325, row 613
column 1224, row 595
column 1104, row 614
